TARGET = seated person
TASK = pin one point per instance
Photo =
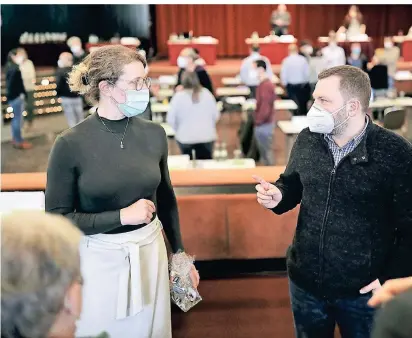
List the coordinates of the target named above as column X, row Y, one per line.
column 353, row 23
column 41, row 282
column 187, row 61
column 280, row 20
column 357, row 58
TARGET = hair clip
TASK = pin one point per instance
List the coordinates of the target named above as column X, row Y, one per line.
column 85, row 80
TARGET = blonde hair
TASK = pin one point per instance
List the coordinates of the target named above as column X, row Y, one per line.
column 40, row 260
column 105, row 63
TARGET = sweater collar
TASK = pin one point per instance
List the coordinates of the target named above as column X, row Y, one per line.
column 360, row 153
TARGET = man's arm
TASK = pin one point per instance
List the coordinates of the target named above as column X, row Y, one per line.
column 399, row 264
column 284, row 73
column 289, row 182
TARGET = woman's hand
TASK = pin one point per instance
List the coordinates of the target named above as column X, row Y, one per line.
column 138, row 213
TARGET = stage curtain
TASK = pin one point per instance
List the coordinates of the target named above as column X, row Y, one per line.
column 231, row 24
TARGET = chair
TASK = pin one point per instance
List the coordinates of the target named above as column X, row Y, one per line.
column 394, row 119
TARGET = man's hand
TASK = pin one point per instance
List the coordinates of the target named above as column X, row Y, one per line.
column 390, row 289
column 268, row 195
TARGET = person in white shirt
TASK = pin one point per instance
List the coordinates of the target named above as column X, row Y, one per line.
column 333, row 54
column 193, row 115
column 294, row 75
column 249, row 75
column 28, row 74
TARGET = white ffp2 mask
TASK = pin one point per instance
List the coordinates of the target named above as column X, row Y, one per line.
column 321, row 121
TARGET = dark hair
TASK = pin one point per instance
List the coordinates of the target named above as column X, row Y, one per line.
column 305, row 43
column 260, row 64
column 255, row 49
column 354, row 83
column 190, row 80
column 11, row 54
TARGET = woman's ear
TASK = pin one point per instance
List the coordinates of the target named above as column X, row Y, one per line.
column 105, row 88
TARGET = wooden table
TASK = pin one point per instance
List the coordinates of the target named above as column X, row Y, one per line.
column 403, row 81
column 242, row 91
column 279, row 105
column 275, row 51
column 236, row 81
column 232, row 225
column 207, row 50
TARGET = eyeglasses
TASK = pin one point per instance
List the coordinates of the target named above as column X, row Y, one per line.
column 138, row 83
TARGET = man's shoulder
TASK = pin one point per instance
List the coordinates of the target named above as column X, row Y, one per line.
column 391, row 143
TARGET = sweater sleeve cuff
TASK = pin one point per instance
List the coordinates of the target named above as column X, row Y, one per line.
column 107, row 218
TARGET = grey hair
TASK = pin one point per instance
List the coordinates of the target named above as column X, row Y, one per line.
column 40, row 260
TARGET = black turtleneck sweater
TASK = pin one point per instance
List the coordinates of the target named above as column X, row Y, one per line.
column 90, row 178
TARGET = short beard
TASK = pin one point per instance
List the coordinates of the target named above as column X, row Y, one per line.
column 342, row 127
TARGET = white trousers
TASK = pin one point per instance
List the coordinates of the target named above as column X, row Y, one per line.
column 126, row 284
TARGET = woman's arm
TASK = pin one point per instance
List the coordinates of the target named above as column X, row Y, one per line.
column 166, row 202
column 62, row 194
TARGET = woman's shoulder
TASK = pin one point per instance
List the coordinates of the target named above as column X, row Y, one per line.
column 207, row 94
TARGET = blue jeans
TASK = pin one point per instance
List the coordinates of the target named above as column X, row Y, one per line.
column 264, row 139
column 18, row 105
column 316, row 317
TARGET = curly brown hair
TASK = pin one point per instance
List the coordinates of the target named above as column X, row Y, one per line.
column 106, row 62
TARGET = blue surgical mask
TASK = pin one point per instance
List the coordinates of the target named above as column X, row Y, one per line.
column 136, row 102
column 356, row 51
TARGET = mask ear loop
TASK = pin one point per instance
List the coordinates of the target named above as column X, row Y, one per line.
column 343, row 122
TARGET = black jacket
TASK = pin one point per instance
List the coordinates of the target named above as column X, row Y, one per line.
column 203, row 76
column 14, row 82
column 62, row 87
column 355, row 221
column 378, row 76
